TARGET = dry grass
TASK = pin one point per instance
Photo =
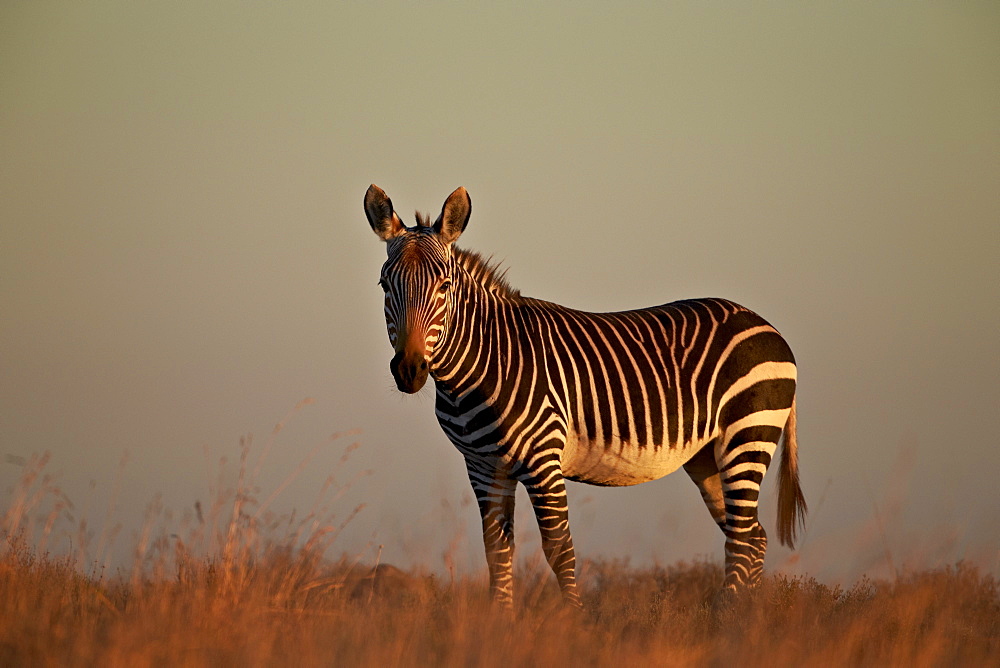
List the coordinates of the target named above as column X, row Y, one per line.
column 295, row 610
column 243, row 589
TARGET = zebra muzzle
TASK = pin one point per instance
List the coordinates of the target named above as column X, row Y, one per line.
column 409, row 370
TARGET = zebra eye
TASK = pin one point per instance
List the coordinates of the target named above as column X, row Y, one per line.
column 383, row 285
column 445, row 286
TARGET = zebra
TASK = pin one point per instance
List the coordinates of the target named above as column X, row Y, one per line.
column 537, row 393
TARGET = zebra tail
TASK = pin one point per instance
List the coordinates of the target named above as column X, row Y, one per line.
column 791, row 502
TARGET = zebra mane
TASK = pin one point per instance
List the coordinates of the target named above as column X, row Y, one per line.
column 491, row 275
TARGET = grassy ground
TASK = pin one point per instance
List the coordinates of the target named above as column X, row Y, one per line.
column 292, row 609
column 221, row 591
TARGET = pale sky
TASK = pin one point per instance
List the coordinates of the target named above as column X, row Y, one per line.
column 184, row 254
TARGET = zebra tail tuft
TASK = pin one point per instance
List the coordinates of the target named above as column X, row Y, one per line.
column 791, row 502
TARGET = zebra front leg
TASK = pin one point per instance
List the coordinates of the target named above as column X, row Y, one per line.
column 495, row 496
column 547, row 490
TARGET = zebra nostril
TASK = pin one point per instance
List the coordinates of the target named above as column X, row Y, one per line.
column 423, row 365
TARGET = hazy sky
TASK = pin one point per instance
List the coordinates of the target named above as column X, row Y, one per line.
column 184, row 254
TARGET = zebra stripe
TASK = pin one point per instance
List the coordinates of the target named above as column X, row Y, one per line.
column 536, row 393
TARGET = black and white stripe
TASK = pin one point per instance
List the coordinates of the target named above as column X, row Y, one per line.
column 537, row 393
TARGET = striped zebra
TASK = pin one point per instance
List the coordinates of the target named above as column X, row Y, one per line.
column 537, row 393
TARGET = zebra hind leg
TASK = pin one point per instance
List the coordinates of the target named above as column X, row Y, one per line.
column 743, row 460
column 705, row 474
column 758, row 542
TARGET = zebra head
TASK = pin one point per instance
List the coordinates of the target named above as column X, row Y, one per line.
column 417, row 280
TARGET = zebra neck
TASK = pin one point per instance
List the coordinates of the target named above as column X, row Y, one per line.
column 473, row 339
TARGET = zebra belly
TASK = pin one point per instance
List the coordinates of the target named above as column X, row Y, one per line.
column 620, row 464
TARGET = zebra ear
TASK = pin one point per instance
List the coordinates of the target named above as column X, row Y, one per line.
column 382, row 218
column 454, row 216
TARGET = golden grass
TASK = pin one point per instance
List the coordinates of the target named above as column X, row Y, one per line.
column 293, row 609
column 243, row 590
